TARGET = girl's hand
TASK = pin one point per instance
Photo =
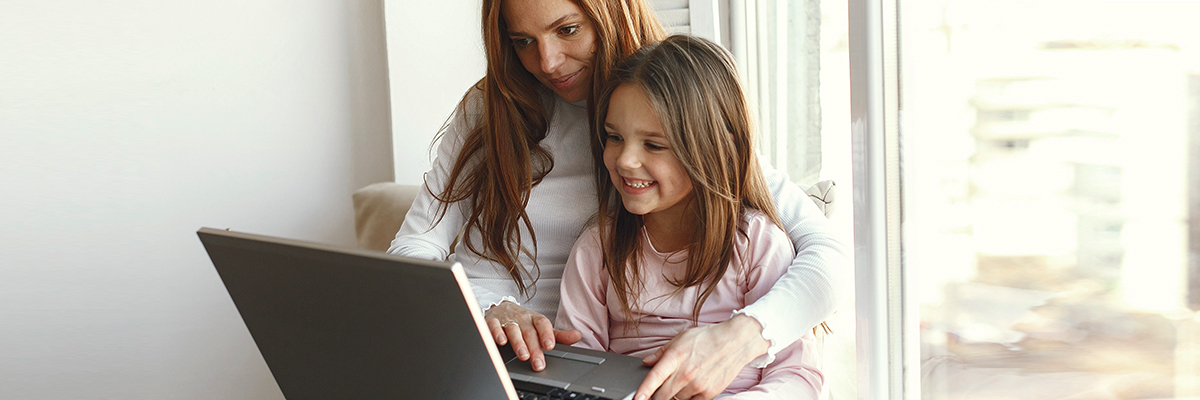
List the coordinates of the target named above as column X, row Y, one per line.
column 701, row 362
column 528, row 331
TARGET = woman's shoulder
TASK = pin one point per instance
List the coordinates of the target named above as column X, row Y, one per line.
column 472, row 102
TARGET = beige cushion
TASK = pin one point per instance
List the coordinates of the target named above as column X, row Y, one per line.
column 379, row 210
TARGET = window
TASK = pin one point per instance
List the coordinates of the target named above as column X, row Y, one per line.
column 1030, row 196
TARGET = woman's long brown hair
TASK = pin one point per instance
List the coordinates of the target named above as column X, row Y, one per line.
column 501, row 160
column 694, row 88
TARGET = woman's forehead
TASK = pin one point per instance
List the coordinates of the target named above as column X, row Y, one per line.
column 532, row 16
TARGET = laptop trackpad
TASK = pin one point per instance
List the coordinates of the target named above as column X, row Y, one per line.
column 560, row 368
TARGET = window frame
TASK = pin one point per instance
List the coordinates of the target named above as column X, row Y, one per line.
column 888, row 345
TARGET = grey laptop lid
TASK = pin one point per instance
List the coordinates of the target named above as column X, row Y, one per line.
column 334, row 322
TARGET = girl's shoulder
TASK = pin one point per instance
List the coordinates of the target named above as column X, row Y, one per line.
column 759, row 236
column 590, row 236
column 756, row 223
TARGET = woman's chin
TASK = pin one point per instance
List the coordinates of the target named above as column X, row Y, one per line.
column 572, row 97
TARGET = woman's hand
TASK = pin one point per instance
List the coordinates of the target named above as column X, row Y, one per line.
column 528, row 331
column 701, row 362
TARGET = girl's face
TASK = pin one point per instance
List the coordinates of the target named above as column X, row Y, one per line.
column 638, row 158
column 555, row 42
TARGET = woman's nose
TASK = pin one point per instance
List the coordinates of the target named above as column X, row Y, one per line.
column 551, row 55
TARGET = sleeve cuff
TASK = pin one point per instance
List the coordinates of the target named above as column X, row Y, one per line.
column 765, row 359
column 509, row 299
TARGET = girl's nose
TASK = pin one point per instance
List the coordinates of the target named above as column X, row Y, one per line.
column 630, row 158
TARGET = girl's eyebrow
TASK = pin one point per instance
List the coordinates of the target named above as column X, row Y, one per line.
column 552, row 25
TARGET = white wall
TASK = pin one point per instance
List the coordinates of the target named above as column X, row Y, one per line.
column 437, row 54
column 127, row 125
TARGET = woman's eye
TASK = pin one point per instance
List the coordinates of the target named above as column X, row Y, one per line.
column 521, row 42
column 569, row 30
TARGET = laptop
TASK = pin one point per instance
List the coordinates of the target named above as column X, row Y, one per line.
column 335, row 322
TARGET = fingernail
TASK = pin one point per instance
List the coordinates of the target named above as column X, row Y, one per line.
column 537, row 365
column 548, row 344
column 500, row 340
column 639, row 397
column 523, row 354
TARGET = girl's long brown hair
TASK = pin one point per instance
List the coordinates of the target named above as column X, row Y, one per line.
column 501, row 161
column 693, row 86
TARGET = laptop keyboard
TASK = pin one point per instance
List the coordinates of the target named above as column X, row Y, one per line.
column 534, row 391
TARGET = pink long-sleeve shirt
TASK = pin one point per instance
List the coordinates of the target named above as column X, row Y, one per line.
column 762, row 255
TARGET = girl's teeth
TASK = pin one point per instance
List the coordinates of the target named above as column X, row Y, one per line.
column 638, row 185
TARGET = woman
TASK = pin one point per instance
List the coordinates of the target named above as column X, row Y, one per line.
column 515, row 162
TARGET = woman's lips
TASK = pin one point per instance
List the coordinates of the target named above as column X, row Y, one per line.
column 567, row 82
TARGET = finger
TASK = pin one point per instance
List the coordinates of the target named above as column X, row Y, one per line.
column 686, row 389
column 545, row 331
column 670, row 388
column 497, row 331
column 652, row 359
column 568, row 337
column 513, row 330
column 655, row 379
column 536, row 360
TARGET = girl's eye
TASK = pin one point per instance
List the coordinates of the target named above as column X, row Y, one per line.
column 521, row 42
column 612, row 138
column 653, row 146
column 569, row 30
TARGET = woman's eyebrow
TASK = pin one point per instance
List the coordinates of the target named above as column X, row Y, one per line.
column 551, row 26
column 560, row 21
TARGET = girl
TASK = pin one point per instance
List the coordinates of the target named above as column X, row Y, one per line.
column 513, row 176
column 693, row 237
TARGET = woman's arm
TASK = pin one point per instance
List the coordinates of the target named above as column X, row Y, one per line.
column 795, row 373
column 696, row 362
column 815, row 283
column 423, row 235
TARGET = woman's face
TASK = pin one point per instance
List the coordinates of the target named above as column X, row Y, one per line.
column 555, row 42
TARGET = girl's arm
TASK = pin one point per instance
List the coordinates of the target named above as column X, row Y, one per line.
column 583, row 305
column 816, row 281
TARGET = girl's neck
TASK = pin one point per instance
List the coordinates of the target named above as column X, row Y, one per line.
column 670, row 232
